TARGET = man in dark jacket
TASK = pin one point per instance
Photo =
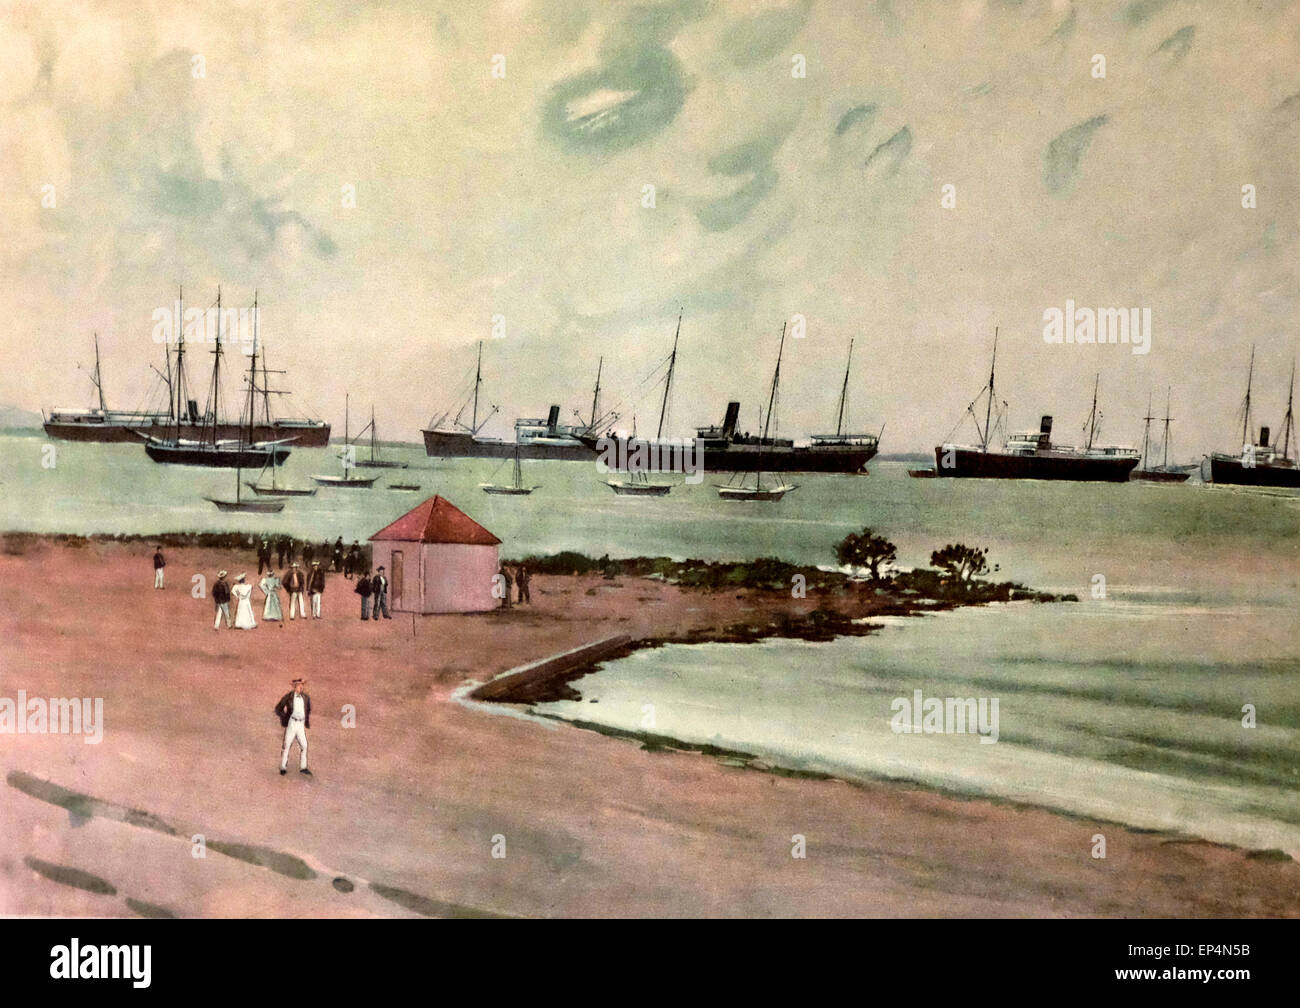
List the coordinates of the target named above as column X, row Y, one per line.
column 294, row 712
column 315, row 588
column 221, row 598
column 363, row 589
column 336, row 557
column 264, row 555
column 354, row 561
column 308, row 554
column 295, row 584
column 379, row 589
column 158, row 564
column 524, row 576
column 283, row 548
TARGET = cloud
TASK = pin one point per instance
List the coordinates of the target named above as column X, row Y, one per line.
column 1061, row 162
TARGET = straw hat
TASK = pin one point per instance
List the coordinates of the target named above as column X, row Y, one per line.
column 221, row 574
column 241, row 577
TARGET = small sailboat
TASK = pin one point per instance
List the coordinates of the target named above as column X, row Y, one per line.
column 264, row 505
column 638, row 484
column 758, row 492
column 375, row 462
column 346, row 480
column 517, row 489
column 404, row 486
column 1161, row 473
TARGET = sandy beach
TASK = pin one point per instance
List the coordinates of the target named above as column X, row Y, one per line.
column 405, row 808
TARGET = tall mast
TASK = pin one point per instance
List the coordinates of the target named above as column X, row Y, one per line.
column 771, row 405
column 252, row 372
column 988, row 412
column 99, row 379
column 478, row 378
column 595, row 396
column 216, row 373
column 1286, row 427
column 180, row 358
column 668, row 382
column 1146, row 433
column 372, row 432
column 1092, row 417
column 844, row 393
column 1165, row 465
column 1246, row 437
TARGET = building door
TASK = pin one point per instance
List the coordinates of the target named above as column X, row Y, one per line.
column 399, row 579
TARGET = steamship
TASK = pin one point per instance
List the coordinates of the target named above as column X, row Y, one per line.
column 1260, row 463
column 1032, row 454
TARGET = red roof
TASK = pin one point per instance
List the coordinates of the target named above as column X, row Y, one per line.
column 437, row 520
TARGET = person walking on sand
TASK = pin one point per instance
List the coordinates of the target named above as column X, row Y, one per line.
column 295, row 584
column 264, row 556
column 242, row 592
column 524, row 576
column 507, row 582
column 294, row 712
column 379, row 589
column 221, row 598
column 316, row 588
column 363, row 589
column 271, row 611
column 158, row 564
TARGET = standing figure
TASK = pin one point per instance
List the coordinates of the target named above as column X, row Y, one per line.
column 315, row 588
column 221, row 598
column 336, row 556
column 295, row 584
column 270, row 585
column 354, row 560
column 308, row 554
column 379, row 589
column 158, row 564
column 279, row 551
column 363, row 589
column 525, row 576
column 242, row 592
column 508, row 583
column 294, row 712
column 264, row 556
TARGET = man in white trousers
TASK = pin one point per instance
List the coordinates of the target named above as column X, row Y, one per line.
column 295, row 584
column 294, row 712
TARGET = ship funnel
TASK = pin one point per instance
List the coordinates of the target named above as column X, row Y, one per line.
column 729, row 423
column 194, row 411
column 1263, row 437
column 553, row 419
column 1046, row 426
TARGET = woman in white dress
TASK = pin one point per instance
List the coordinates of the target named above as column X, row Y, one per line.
column 270, row 585
column 242, row 592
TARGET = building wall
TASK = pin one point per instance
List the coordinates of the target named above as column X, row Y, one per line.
column 456, row 578
column 459, row 578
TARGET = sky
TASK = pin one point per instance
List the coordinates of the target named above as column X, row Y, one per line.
column 500, row 155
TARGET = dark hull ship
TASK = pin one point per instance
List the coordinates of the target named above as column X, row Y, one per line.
column 1163, row 473
column 1260, row 463
column 534, row 438
column 725, row 450
column 106, row 425
column 1031, row 454
column 210, row 450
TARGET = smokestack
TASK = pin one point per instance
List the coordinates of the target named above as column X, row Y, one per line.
column 729, row 423
column 553, row 419
column 194, row 411
column 1046, row 426
column 1263, row 437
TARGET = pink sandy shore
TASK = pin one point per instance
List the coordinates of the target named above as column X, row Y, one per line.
column 415, row 796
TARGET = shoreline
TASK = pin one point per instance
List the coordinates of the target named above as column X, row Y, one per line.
column 409, row 797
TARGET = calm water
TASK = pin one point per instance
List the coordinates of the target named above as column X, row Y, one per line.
column 1126, row 708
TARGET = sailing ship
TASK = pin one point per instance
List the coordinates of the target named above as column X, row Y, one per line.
column 262, row 504
column 346, row 480
column 210, row 450
column 1032, row 454
column 449, row 437
column 1161, row 473
column 1260, row 463
column 516, row 489
column 840, row 440
column 758, row 492
column 103, row 424
column 375, row 462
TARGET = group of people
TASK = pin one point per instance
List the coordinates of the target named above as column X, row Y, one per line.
column 348, row 561
column 517, row 577
column 298, row 585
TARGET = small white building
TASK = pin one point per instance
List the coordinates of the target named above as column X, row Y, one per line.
column 438, row 560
